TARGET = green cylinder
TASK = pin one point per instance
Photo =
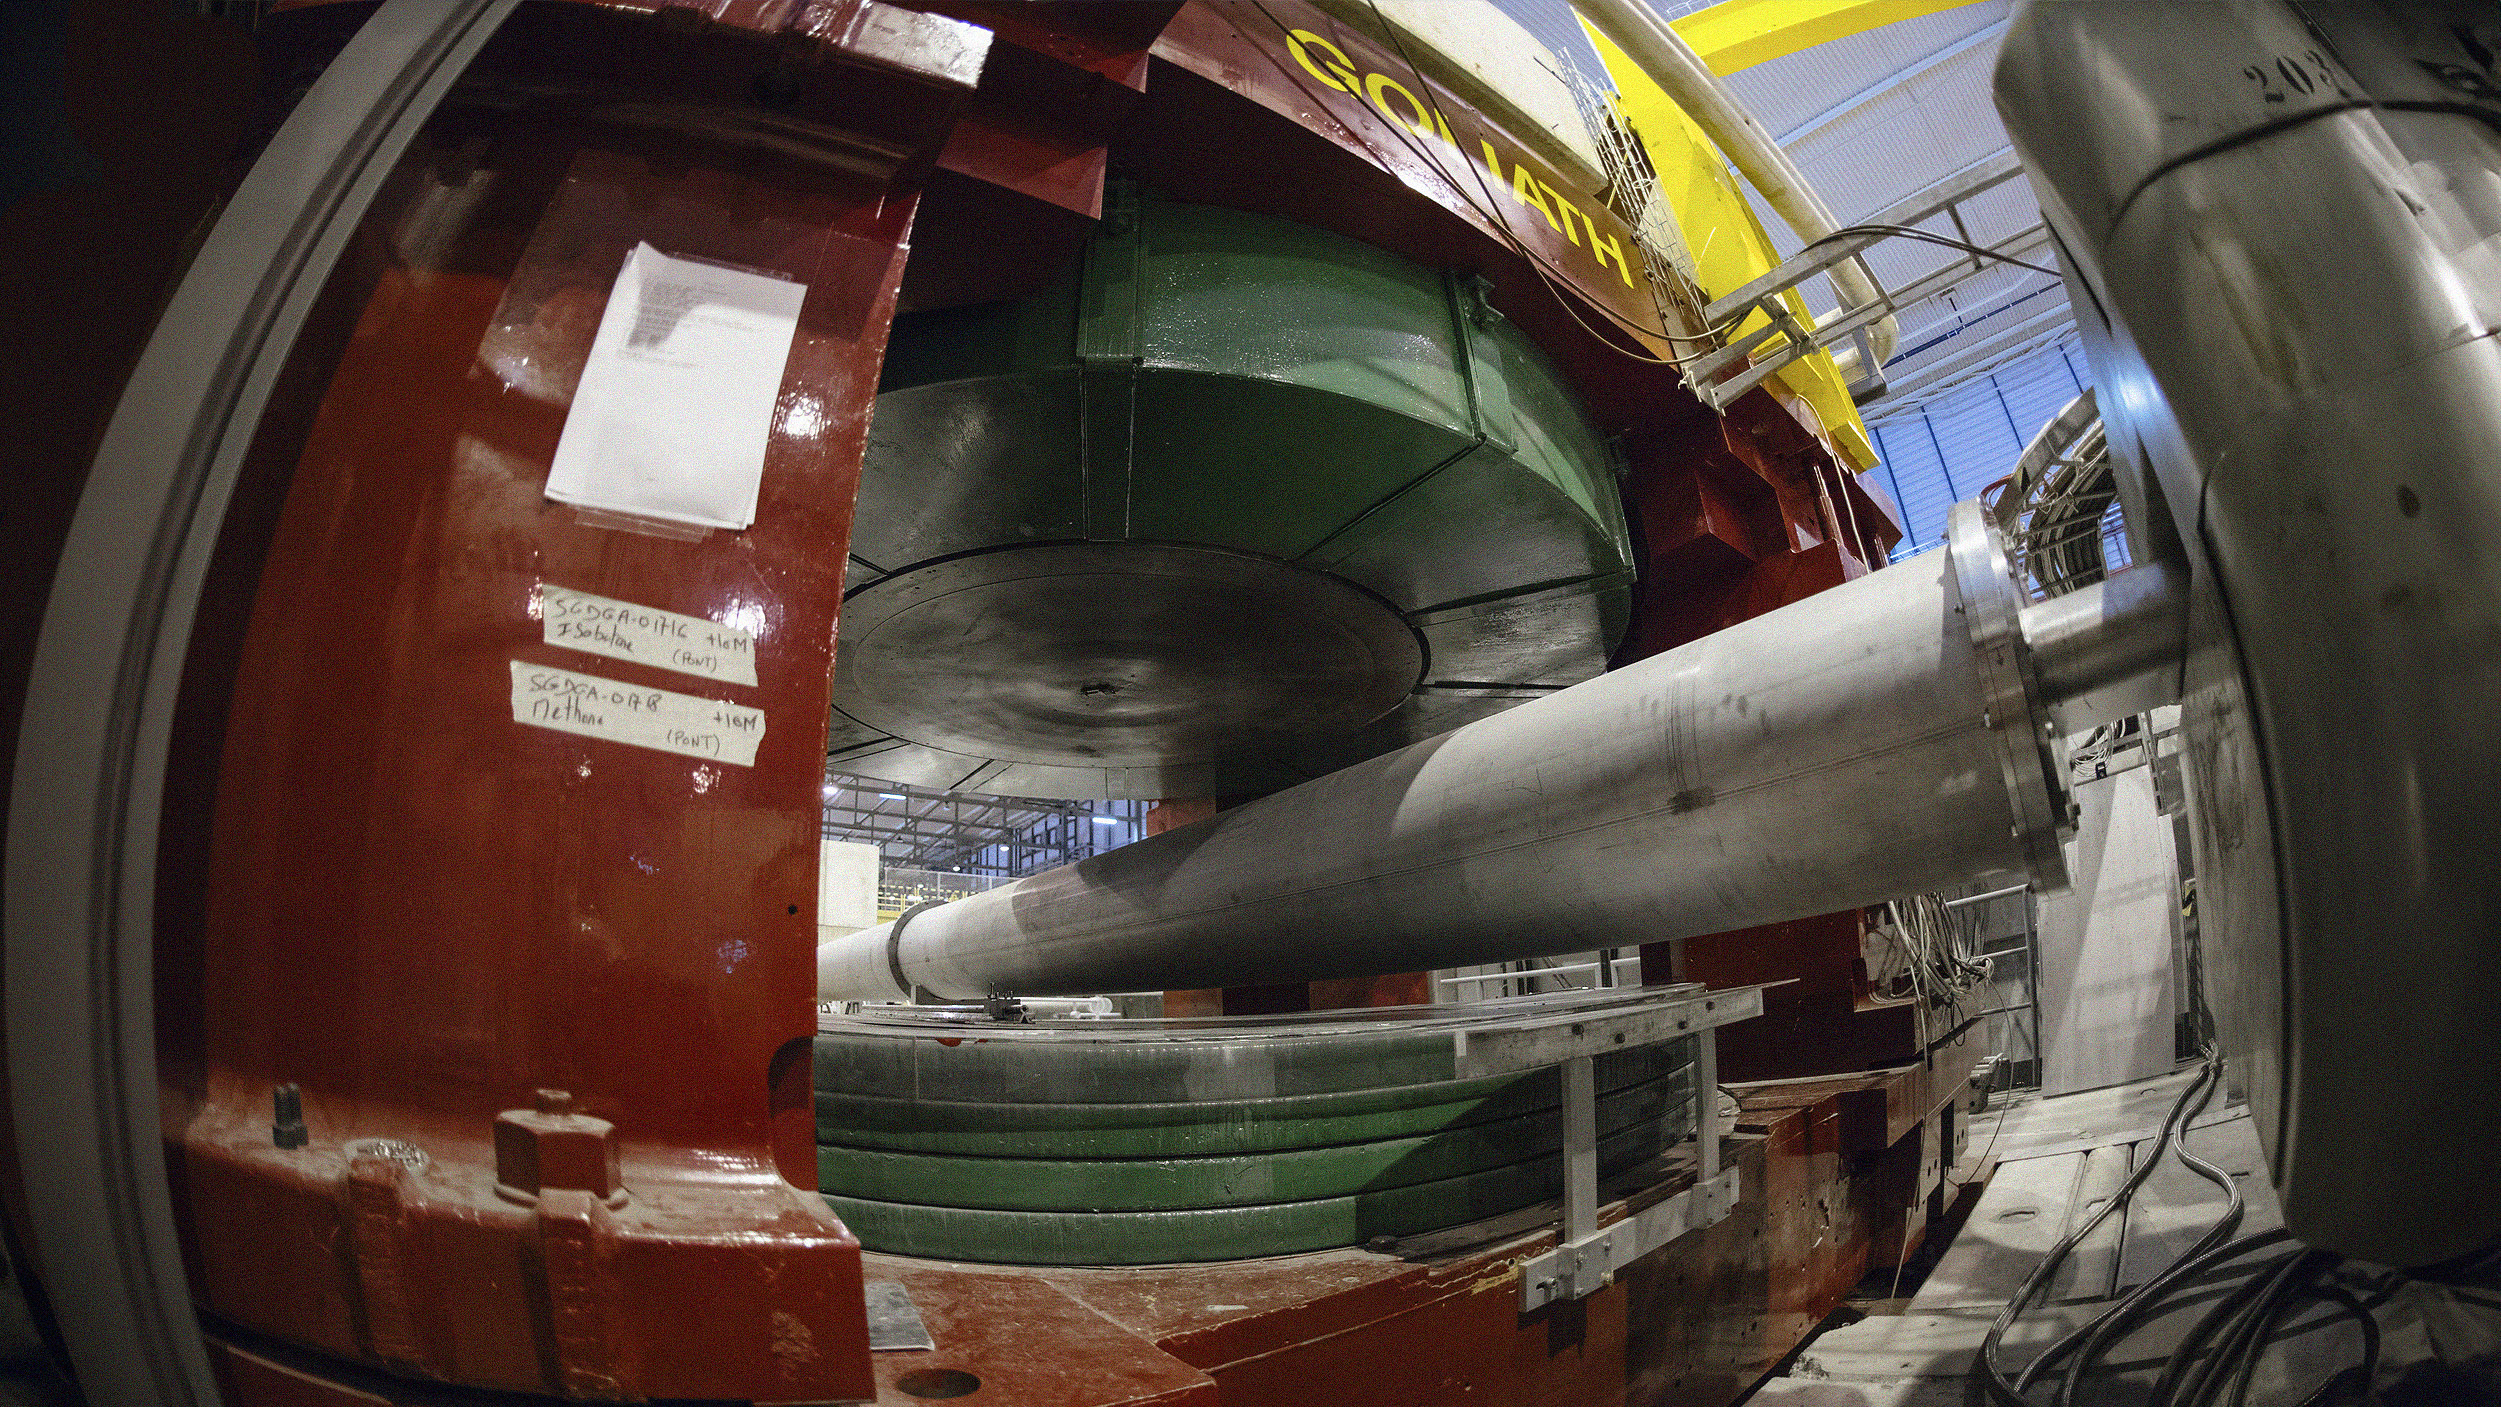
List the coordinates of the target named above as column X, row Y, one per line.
column 1227, row 467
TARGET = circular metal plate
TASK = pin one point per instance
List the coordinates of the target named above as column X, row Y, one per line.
column 958, row 1054
column 1119, row 654
column 1198, row 1128
column 1220, row 1233
column 1172, row 1184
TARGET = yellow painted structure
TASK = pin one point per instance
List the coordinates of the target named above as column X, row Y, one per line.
column 1738, row 34
column 1730, row 248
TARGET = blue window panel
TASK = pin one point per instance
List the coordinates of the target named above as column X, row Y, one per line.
column 1917, row 477
column 1949, row 447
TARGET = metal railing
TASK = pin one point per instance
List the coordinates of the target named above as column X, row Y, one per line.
column 1743, row 363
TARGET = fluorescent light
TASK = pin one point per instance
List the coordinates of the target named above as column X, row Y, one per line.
column 1107, row 820
column 890, row 796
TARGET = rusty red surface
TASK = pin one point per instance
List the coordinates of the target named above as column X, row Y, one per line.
column 1694, row 1324
column 1887, row 1127
column 1823, row 1019
column 1030, row 151
column 1027, row 1340
column 547, row 998
column 1739, row 516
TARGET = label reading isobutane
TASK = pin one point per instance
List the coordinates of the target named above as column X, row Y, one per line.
column 592, row 707
column 622, row 630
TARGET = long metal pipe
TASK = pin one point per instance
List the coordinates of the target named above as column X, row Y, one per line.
column 1672, row 64
column 1871, row 741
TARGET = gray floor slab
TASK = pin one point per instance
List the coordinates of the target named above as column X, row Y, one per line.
column 1908, row 1392
column 2091, row 1270
column 2177, row 1206
column 2020, row 1215
column 2058, row 1161
column 1938, row 1345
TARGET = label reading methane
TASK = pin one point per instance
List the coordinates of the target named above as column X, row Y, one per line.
column 622, row 630
column 626, row 713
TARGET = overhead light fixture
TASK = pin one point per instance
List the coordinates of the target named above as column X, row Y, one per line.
column 1107, row 820
column 890, row 795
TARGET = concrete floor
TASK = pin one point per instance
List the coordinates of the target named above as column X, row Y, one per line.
column 2056, row 1161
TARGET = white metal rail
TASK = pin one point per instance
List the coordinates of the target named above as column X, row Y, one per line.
column 1722, row 375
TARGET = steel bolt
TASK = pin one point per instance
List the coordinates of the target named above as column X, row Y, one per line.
column 551, row 1147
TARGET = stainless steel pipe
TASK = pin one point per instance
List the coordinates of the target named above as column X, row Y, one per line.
column 2110, row 649
column 1881, row 738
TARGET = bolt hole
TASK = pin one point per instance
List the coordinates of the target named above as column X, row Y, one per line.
column 2407, row 502
column 794, row 908
column 937, row 1382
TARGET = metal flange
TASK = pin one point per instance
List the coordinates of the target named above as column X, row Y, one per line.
column 2018, row 721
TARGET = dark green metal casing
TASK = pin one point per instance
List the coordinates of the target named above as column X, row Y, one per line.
column 1215, row 379
column 1038, row 1151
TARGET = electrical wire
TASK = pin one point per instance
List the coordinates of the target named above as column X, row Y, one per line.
column 1934, row 960
column 2011, row 1393
column 1978, row 251
column 2093, row 1339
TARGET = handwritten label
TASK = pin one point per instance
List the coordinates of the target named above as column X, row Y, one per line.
column 622, row 630
column 626, row 713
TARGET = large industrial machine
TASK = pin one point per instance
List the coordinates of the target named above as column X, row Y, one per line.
column 1263, row 405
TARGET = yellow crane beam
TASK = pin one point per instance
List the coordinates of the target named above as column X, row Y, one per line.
column 1738, row 34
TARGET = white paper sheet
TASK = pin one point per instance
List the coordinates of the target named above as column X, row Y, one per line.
column 622, row 630
column 545, row 697
column 676, row 399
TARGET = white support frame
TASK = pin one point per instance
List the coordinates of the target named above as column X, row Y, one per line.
column 1586, row 1257
column 1728, row 372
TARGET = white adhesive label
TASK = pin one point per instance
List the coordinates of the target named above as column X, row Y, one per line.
column 622, row 630
column 593, row 707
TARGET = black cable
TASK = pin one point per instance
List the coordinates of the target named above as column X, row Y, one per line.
column 2009, row 1394
column 2203, row 1380
column 2210, row 1249
column 2361, row 1315
column 2475, row 1299
column 2226, row 1311
column 1912, row 232
column 2367, row 1370
column 2283, row 1304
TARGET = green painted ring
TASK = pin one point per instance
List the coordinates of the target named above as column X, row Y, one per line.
column 1206, row 1128
column 1176, row 1184
column 1220, row 1233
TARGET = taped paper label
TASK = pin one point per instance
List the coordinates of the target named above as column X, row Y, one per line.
column 622, row 630
column 676, row 399
column 625, row 713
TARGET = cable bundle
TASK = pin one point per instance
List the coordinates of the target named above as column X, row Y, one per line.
column 1932, row 956
column 2216, row 1362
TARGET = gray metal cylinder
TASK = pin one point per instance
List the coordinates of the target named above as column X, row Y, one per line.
column 2110, row 649
column 1872, row 741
